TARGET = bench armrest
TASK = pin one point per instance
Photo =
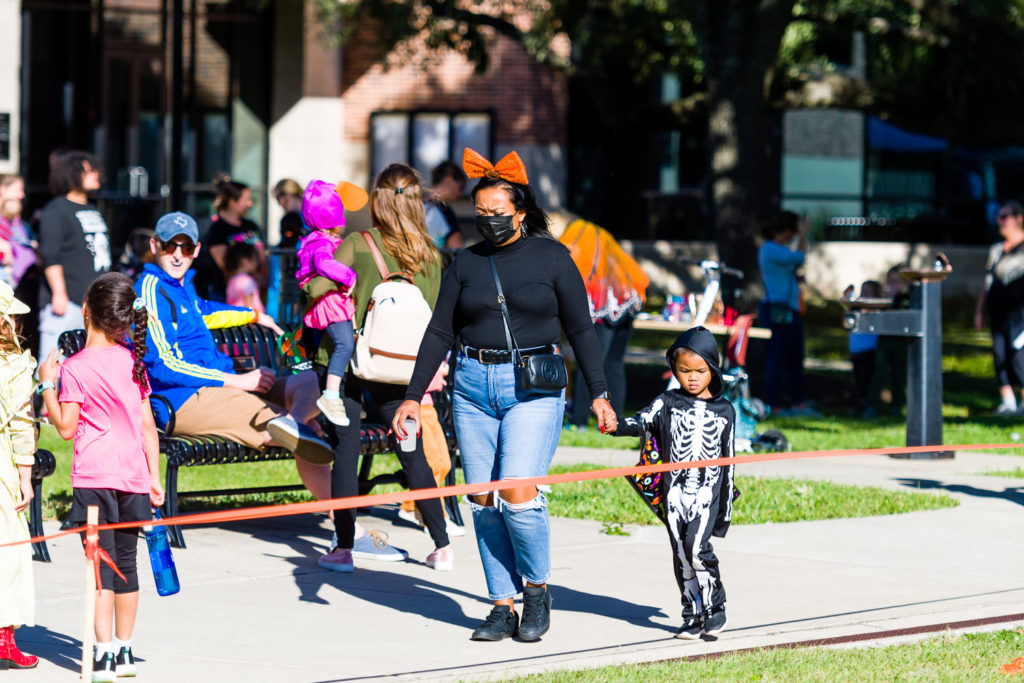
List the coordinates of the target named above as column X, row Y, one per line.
column 171, row 415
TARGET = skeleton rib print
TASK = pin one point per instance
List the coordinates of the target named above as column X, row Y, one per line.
column 696, row 435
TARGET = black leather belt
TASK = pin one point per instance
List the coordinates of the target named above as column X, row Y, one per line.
column 494, row 356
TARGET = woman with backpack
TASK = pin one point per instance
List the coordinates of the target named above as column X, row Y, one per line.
column 399, row 238
column 508, row 418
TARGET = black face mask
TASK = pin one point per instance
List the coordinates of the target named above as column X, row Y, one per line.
column 495, row 229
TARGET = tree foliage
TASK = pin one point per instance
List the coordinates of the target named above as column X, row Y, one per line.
column 940, row 66
column 946, row 67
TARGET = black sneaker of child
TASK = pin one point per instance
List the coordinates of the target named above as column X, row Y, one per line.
column 715, row 621
column 125, row 663
column 536, row 613
column 501, row 623
column 690, row 630
column 103, row 668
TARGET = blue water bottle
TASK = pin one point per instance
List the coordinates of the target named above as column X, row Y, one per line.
column 164, row 574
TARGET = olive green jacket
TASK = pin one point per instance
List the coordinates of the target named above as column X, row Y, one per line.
column 355, row 253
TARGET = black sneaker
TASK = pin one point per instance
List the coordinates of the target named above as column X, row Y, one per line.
column 536, row 613
column 690, row 630
column 715, row 621
column 103, row 668
column 501, row 623
column 124, row 663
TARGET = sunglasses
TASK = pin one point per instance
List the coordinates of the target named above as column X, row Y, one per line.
column 187, row 248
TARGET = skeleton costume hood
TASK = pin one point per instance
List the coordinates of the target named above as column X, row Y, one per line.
column 701, row 342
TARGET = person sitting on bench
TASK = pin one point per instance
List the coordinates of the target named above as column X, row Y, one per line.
column 208, row 396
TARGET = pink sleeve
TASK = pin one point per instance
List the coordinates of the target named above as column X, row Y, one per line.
column 436, row 384
column 327, row 266
column 71, row 390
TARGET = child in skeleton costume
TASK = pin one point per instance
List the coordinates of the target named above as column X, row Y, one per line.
column 694, row 423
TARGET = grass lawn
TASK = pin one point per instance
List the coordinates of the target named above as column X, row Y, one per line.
column 763, row 499
column 1018, row 472
column 57, row 487
column 950, row 657
column 969, row 392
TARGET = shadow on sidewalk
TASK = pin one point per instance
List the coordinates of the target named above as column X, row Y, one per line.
column 1013, row 494
column 570, row 600
column 403, row 591
column 56, row 648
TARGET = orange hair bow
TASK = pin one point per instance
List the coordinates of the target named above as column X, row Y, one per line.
column 510, row 168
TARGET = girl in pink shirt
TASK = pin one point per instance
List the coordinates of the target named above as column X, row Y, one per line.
column 241, row 263
column 104, row 404
column 324, row 213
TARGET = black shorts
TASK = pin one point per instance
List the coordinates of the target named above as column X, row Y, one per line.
column 121, row 544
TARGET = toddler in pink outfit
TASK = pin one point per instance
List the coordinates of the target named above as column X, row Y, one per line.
column 324, row 213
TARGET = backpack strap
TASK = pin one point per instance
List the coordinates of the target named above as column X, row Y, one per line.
column 378, row 258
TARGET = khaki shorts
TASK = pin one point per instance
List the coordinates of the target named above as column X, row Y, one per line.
column 231, row 413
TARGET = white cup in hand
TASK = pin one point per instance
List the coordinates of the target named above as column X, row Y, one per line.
column 408, row 444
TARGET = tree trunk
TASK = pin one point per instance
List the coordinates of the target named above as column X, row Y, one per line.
column 740, row 42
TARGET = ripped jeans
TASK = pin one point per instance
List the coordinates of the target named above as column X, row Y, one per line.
column 501, row 437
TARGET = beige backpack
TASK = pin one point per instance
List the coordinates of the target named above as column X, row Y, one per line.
column 396, row 318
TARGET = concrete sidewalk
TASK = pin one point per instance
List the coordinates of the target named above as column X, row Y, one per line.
column 254, row 606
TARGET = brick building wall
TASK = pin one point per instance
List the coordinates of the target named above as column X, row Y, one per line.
column 530, row 100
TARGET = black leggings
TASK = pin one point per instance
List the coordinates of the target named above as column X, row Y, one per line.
column 383, row 403
column 122, row 545
column 1009, row 362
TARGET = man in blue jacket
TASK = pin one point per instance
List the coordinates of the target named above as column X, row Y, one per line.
column 185, row 366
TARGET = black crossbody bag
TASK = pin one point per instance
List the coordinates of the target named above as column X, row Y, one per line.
column 542, row 373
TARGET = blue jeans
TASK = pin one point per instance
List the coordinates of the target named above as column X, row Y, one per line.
column 341, row 333
column 503, row 437
column 784, row 359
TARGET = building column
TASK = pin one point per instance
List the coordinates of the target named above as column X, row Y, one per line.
column 10, row 85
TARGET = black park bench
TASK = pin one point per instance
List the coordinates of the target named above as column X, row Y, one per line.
column 252, row 346
column 44, row 466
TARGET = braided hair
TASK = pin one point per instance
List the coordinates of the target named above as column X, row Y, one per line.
column 114, row 309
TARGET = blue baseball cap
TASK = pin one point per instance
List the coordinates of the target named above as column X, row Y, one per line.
column 176, row 223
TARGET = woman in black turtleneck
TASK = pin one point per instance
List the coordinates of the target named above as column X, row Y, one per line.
column 502, row 433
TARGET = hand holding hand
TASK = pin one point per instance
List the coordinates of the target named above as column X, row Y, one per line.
column 409, row 410
column 607, row 421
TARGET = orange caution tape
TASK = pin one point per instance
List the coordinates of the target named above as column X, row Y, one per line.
column 370, row 500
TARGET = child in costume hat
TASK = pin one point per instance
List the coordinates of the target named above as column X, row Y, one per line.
column 17, row 455
column 694, row 423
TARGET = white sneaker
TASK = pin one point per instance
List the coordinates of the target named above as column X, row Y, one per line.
column 412, row 517
column 454, row 529
column 333, row 409
column 442, row 559
column 300, row 440
column 337, row 560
